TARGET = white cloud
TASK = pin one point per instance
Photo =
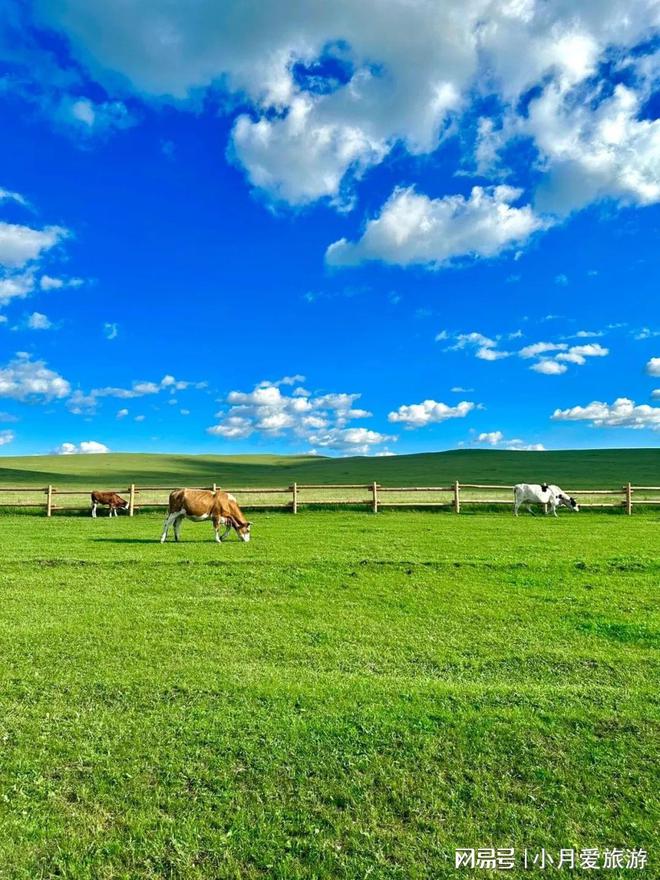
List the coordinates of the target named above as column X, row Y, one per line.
column 20, row 245
column 492, row 438
column 25, row 379
column 110, row 331
column 563, row 354
column 623, row 413
column 537, row 348
column 413, row 228
column 655, row 394
column 7, row 196
column 646, row 333
column 48, row 282
column 122, row 413
column 409, row 68
column 38, row 321
column 596, row 152
column 6, row 437
column 484, row 348
column 15, row 285
column 577, row 354
column 350, row 441
column 93, row 117
column 81, row 403
column 85, row 447
column 321, row 419
column 653, row 367
column 418, row 415
column 549, row 367
column 496, row 438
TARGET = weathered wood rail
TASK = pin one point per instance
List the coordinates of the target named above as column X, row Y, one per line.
column 372, row 495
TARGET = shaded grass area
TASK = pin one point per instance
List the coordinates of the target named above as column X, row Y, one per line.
column 583, row 468
column 346, row 696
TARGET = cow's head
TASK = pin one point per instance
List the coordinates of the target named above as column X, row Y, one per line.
column 242, row 529
column 567, row 501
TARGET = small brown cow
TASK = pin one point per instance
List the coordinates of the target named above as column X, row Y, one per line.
column 201, row 504
column 110, row 499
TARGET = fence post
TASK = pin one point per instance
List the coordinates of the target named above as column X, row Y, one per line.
column 457, row 497
column 214, row 488
column 629, row 501
column 374, row 489
column 131, row 499
column 294, row 492
column 49, row 501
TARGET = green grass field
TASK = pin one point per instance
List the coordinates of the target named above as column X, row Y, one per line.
column 346, row 696
column 583, row 468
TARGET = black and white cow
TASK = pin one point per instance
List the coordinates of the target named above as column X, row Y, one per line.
column 542, row 493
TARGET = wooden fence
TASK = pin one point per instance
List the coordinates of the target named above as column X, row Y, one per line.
column 372, row 495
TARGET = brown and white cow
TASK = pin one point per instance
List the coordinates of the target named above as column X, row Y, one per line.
column 201, row 504
column 108, row 499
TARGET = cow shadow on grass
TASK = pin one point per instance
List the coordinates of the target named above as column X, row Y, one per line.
column 157, row 541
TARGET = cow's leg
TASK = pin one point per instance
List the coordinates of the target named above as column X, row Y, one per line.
column 516, row 506
column 177, row 525
column 94, row 509
column 529, row 507
column 217, row 522
column 169, row 519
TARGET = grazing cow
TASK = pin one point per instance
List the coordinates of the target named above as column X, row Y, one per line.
column 200, row 504
column 550, row 495
column 110, row 499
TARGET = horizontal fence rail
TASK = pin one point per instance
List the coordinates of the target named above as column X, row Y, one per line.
column 373, row 495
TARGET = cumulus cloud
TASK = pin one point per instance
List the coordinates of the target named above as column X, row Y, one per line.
column 83, row 403
column 497, row 439
column 484, row 347
column 6, row 437
column 48, row 282
column 653, row 366
column 595, row 152
column 85, row 447
column 20, row 245
column 549, row 367
column 23, row 249
column 412, row 228
column 418, row 415
column 32, row 381
column 623, row 413
column 332, row 88
column 562, row 354
column 550, row 358
column 38, row 321
column 321, row 420
column 16, row 285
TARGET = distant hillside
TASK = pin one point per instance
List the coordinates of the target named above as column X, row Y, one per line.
column 583, row 468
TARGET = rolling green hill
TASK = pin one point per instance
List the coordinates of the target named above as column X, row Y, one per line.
column 584, row 468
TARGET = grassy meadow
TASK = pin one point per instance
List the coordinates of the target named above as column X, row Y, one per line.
column 582, row 468
column 346, row 696
column 573, row 470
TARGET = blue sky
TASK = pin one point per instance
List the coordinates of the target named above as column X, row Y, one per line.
column 244, row 230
